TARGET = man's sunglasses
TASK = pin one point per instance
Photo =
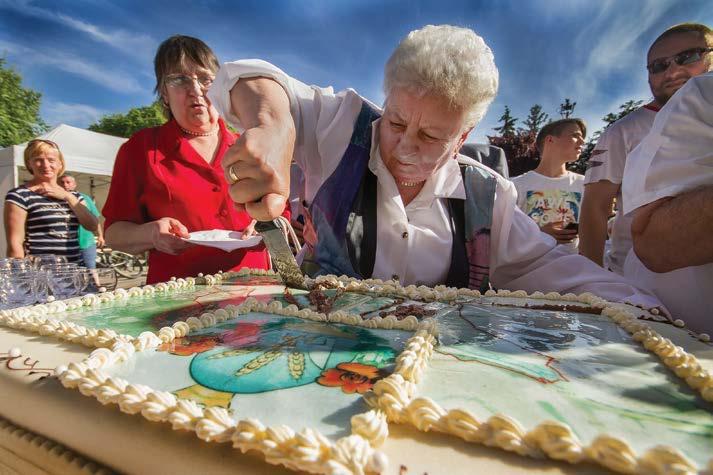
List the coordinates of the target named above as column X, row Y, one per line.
column 689, row 56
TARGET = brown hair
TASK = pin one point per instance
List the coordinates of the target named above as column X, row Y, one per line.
column 704, row 32
column 37, row 146
column 556, row 128
column 181, row 51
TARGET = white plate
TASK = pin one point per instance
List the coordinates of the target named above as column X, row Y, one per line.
column 223, row 239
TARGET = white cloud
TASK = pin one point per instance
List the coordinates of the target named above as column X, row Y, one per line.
column 30, row 58
column 135, row 44
column 612, row 44
column 78, row 115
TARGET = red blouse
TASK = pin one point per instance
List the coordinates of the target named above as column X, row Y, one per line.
column 159, row 174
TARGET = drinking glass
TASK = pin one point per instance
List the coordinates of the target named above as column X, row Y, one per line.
column 64, row 284
column 20, row 291
column 103, row 278
column 46, row 259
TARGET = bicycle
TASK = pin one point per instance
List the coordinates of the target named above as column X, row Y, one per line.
column 124, row 264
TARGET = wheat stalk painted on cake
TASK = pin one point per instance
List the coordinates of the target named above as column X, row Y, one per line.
column 256, row 363
column 229, row 353
column 296, row 364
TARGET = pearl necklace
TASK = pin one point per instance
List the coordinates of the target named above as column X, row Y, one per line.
column 200, row 134
column 411, row 184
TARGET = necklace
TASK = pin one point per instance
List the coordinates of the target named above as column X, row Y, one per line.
column 410, row 184
column 200, row 134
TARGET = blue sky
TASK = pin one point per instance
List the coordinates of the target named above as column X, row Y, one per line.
column 90, row 58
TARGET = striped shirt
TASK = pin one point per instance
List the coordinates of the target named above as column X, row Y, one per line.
column 51, row 226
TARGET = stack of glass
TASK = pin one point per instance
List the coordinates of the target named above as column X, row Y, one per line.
column 26, row 281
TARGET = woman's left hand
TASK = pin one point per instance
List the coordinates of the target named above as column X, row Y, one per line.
column 52, row 190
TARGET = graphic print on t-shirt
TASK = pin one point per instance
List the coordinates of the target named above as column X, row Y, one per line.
column 553, row 205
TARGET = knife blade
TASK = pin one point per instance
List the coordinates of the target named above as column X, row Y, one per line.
column 282, row 257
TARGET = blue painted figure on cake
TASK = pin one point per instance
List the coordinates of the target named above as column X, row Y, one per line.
column 268, row 353
column 387, row 194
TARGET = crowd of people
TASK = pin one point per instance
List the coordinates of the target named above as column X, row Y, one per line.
column 392, row 192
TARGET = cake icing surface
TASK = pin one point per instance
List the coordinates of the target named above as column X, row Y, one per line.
column 312, row 379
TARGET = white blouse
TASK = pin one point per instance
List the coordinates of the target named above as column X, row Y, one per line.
column 414, row 242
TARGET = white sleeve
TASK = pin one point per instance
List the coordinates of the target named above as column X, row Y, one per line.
column 608, row 157
column 521, row 192
column 677, row 155
column 523, row 258
column 324, row 121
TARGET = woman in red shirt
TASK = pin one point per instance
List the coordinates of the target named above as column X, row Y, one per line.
column 168, row 180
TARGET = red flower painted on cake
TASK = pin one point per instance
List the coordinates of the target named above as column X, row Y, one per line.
column 244, row 334
column 351, row 377
column 190, row 346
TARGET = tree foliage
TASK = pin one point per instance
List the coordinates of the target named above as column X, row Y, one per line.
column 507, row 129
column 125, row 125
column 520, row 151
column 20, row 118
column 567, row 108
column 580, row 166
column 535, row 119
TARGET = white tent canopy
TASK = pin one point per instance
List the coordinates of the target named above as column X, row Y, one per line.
column 87, row 155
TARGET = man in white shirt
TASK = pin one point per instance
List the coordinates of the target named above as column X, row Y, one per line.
column 407, row 155
column 605, row 171
column 668, row 186
column 550, row 194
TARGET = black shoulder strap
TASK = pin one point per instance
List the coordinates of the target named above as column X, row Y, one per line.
column 361, row 228
column 458, row 272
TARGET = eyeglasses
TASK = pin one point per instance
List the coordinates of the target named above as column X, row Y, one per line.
column 683, row 58
column 186, row 82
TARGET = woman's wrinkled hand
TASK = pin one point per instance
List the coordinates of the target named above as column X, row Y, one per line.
column 51, row 190
column 167, row 234
column 257, row 167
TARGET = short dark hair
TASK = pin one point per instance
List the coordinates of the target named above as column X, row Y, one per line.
column 180, row 50
column 556, row 128
column 703, row 31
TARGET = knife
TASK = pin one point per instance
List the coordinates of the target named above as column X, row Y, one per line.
column 282, row 257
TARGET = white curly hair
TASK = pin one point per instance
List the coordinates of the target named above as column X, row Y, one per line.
column 448, row 62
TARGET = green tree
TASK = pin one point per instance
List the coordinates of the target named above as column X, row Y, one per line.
column 535, row 119
column 580, row 166
column 125, row 125
column 507, row 129
column 567, row 108
column 19, row 109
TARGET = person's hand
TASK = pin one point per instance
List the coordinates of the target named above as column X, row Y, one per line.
column 257, row 167
column 166, row 234
column 557, row 231
column 100, row 242
column 249, row 230
column 52, row 190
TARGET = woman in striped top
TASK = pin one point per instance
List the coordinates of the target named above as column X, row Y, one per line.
column 40, row 216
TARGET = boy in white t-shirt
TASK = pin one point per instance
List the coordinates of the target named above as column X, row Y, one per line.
column 550, row 194
column 605, row 171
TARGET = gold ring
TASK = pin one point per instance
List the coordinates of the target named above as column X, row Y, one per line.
column 231, row 174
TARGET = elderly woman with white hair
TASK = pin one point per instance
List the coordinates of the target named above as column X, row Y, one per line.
column 386, row 192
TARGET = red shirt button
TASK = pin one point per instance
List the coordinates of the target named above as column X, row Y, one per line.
column 223, row 212
column 216, row 189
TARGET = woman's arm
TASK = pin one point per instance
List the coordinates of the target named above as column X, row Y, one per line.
column 163, row 235
column 15, row 219
column 261, row 158
column 86, row 218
